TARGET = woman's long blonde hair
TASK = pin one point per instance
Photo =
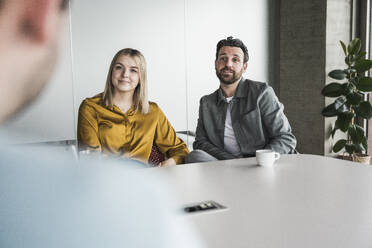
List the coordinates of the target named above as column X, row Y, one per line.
column 140, row 96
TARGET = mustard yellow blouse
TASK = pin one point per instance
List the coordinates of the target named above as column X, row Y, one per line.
column 130, row 134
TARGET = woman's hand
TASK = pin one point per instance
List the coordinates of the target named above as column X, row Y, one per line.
column 169, row 161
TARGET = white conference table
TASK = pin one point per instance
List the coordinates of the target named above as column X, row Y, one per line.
column 304, row 201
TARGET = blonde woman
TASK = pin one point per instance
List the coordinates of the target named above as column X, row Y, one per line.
column 121, row 121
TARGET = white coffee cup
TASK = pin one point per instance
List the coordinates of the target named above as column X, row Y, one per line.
column 266, row 158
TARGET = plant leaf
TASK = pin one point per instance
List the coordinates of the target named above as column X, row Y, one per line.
column 343, row 121
column 353, row 134
column 363, row 65
column 348, row 115
column 360, row 132
column 350, row 71
column 364, row 110
column 337, row 74
column 358, row 148
column 347, row 88
column 340, row 104
column 361, row 56
column 350, row 148
column 355, row 138
column 343, row 47
column 365, row 143
column 329, row 111
column 354, row 46
column 347, row 60
column 337, row 107
column 332, row 90
column 351, row 58
column 339, row 145
column 333, row 132
column 354, row 98
column 365, row 84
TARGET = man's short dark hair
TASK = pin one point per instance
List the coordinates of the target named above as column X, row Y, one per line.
column 230, row 41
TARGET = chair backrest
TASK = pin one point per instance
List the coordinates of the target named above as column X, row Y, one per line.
column 188, row 137
column 156, row 157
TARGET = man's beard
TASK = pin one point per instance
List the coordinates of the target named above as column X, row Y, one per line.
column 231, row 79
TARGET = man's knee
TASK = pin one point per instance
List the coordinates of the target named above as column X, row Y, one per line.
column 197, row 156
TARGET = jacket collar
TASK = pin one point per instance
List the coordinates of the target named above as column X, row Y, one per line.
column 241, row 91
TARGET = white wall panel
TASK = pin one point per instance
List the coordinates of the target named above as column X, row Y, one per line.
column 209, row 21
column 178, row 39
column 156, row 28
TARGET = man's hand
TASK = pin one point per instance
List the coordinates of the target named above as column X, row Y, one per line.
column 169, row 161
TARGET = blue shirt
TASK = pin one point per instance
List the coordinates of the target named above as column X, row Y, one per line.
column 48, row 199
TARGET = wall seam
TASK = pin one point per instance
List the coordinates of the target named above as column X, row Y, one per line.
column 72, row 72
column 186, row 68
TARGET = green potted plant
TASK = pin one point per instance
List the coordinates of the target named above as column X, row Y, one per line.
column 351, row 105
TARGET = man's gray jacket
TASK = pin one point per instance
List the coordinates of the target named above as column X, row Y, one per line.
column 257, row 119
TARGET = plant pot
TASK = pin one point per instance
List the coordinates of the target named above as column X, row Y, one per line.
column 362, row 158
column 345, row 157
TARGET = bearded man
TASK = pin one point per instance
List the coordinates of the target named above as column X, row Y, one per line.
column 240, row 117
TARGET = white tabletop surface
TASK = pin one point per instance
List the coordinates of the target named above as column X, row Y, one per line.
column 304, row 201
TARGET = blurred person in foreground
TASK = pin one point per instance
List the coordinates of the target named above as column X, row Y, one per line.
column 48, row 200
